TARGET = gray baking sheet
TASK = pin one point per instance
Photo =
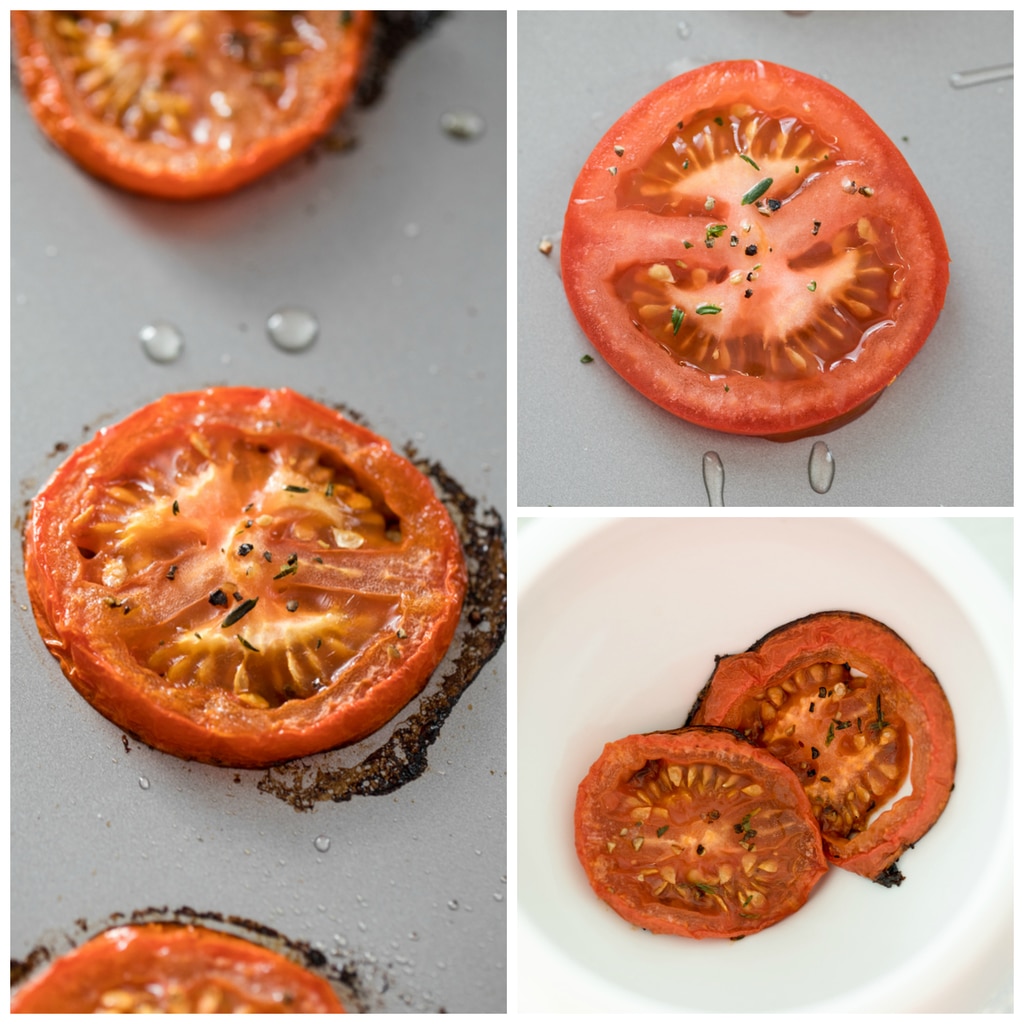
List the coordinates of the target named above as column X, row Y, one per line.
column 942, row 434
column 397, row 244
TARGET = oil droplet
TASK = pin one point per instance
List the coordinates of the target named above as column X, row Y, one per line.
column 462, row 124
column 161, row 341
column 821, row 467
column 322, row 843
column 683, row 30
column 292, row 329
column 714, row 479
column 963, row 79
column 143, row 782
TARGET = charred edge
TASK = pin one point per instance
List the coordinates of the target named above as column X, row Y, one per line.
column 890, row 876
column 849, row 616
column 393, row 31
column 21, row 969
column 404, row 756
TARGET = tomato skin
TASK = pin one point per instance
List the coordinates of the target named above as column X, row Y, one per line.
column 611, row 867
column 90, row 624
column 199, row 171
column 163, row 964
column 600, row 238
column 910, row 691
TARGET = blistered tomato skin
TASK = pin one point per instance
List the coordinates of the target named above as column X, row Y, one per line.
column 242, row 576
column 172, row 968
column 859, row 719
column 696, row 833
column 187, row 104
column 749, row 250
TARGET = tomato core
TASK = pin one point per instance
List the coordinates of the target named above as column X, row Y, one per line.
column 834, row 730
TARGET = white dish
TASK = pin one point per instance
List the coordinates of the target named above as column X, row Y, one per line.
column 619, row 623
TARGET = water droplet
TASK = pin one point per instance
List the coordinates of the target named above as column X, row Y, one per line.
column 683, row 30
column 462, row 124
column 499, row 897
column 143, row 782
column 161, row 341
column 714, row 479
column 453, row 904
column 821, row 467
column 981, row 76
column 292, row 329
column 322, row 843
column 411, row 230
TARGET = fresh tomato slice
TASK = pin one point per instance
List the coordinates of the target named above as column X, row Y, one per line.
column 173, row 968
column 186, row 104
column 696, row 832
column 748, row 249
column 861, row 721
column 243, row 576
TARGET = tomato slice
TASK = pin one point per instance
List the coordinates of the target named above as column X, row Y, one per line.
column 187, row 104
column 243, row 576
column 858, row 717
column 748, row 249
column 696, row 832
column 172, row 968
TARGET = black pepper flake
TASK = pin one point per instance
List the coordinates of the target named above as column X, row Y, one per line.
column 700, row 850
column 172, row 572
column 825, row 778
column 815, row 753
column 244, row 549
column 174, row 508
column 817, row 224
column 747, row 294
column 219, row 599
column 292, row 558
column 773, row 204
column 292, row 606
column 751, row 250
column 267, row 556
column 811, row 772
column 822, row 692
column 811, row 708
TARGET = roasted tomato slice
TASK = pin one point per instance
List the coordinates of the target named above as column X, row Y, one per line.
column 748, row 249
column 243, row 576
column 185, row 104
column 173, row 968
column 696, row 832
column 861, row 721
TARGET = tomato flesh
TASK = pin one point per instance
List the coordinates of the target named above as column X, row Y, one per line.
column 243, row 576
column 171, row 968
column 184, row 104
column 857, row 717
column 696, row 833
column 751, row 252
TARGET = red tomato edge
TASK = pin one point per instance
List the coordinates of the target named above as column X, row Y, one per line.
column 91, row 962
column 113, row 694
column 934, row 756
column 56, row 118
column 821, row 404
column 697, row 739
